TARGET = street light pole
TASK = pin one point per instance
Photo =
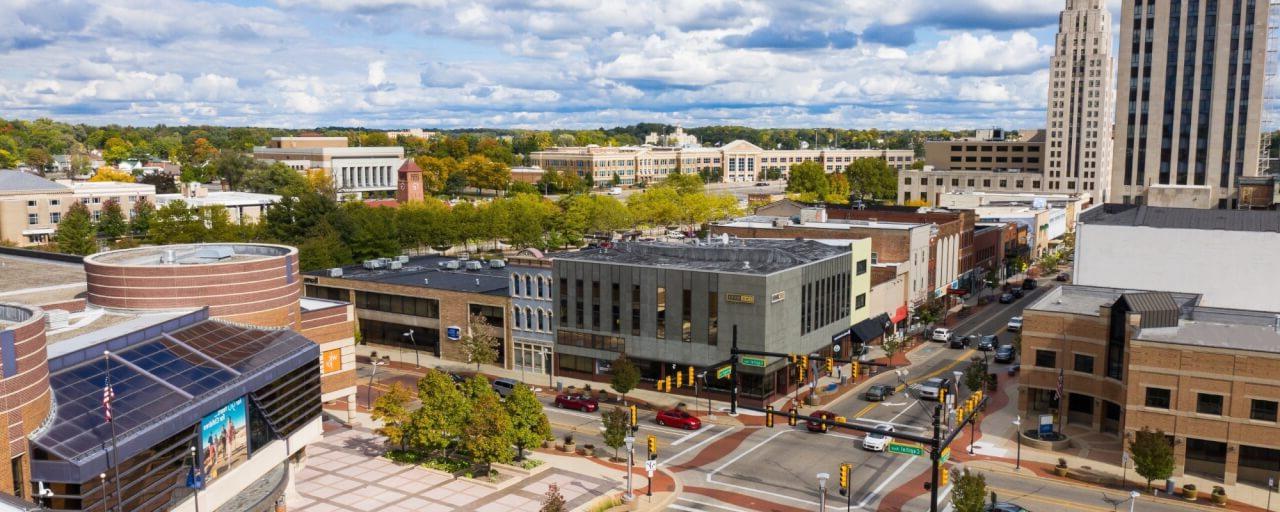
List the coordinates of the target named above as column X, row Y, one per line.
column 417, row 361
column 1133, row 498
column 375, row 364
column 1017, row 431
column 630, row 441
column 822, row 491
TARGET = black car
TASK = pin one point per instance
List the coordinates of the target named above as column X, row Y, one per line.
column 1006, row 298
column 960, row 341
column 1029, row 284
column 1005, row 506
column 878, row 393
column 987, row 342
column 1063, row 277
column 1017, row 293
column 1005, row 354
column 762, row 184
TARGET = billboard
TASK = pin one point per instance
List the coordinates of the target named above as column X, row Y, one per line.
column 224, row 439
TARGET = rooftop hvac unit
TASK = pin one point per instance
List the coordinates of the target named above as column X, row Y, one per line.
column 394, row 265
column 57, row 318
column 497, row 264
column 335, row 272
column 474, row 265
column 451, row 265
column 169, row 256
column 403, row 258
column 370, row 264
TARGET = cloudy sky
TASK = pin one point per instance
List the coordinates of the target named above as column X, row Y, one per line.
column 530, row 63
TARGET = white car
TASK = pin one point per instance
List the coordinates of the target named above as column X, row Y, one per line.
column 941, row 334
column 930, row 389
column 1015, row 324
column 876, row 441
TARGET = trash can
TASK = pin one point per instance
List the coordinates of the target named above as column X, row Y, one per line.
column 844, row 380
column 559, row 386
column 1169, row 486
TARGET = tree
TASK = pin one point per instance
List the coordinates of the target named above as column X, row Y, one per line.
column 112, row 224
column 435, row 171
column 392, row 410
column 487, row 435
column 529, row 424
column 553, row 500
column 839, row 193
column 659, row 206
column 970, row 492
column 590, row 213
column 38, row 158
column 616, row 428
column 525, row 218
column 872, row 178
column 75, row 234
column 891, row 345
column 219, row 228
column 624, row 376
column 109, row 174
column 176, row 223
column 809, row 178
column 162, row 182
column 323, row 248
column 116, row 150
column 371, row 231
column 479, row 344
column 143, row 214
column 435, row 426
column 1152, row 455
column 977, row 374
column 276, row 178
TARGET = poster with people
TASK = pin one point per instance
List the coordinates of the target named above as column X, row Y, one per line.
column 224, row 439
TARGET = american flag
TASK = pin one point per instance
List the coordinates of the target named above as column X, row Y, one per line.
column 1058, row 394
column 107, row 395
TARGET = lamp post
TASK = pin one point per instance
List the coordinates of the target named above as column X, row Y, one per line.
column 1017, row 431
column 102, row 484
column 822, row 491
column 375, row 364
column 195, row 476
column 1133, row 498
column 702, row 378
column 417, row 361
column 631, row 441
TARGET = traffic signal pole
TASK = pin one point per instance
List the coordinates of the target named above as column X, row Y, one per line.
column 935, row 456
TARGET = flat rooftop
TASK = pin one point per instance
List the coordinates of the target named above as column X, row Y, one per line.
column 20, row 276
column 189, row 254
column 429, row 272
column 1220, row 328
column 223, row 198
column 1085, row 300
column 740, row 256
column 765, row 221
column 1182, row 218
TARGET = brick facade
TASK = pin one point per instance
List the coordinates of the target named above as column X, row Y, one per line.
column 26, row 394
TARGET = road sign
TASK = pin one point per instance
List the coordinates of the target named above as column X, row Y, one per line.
column 946, row 454
column 1046, row 424
column 724, row 372
column 752, row 361
column 907, row 449
column 649, row 466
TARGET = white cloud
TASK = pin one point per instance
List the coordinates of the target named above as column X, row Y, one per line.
column 968, row 54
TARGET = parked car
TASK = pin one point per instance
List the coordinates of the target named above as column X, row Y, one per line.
column 1005, row 354
column 504, row 386
column 941, row 334
column 1005, row 506
column 678, row 419
column 814, row 426
column 1017, row 293
column 988, row 342
column 1015, row 324
column 1006, row 298
column 1029, row 284
column 615, row 191
column 877, row 393
column 929, row 389
column 1063, row 277
column 762, row 183
column 961, row 341
column 877, row 441
column 580, row 402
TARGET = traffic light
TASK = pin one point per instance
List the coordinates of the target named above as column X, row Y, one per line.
column 679, row 380
column 635, row 417
column 793, row 417
column 942, row 395
column 658, row 385
column 942, row 477
column 690, row 375
column 844, row 478
column 667, row 385
column 831, row 365
column 795, row 359
column 804, row 361
column 653, row 447
column 768, row 416
column 855, row 370
column 799, row 374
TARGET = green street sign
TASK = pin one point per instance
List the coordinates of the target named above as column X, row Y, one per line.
column 752, row 361
column 946, row 454
column 724, row 372
column 906, row 449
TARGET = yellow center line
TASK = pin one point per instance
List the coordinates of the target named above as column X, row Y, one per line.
column 1015, row 496
column 963, row 357
column 864, row 410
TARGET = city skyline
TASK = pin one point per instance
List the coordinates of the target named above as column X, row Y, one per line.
column 427, row 63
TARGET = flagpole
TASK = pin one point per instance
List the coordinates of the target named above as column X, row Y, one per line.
column 108, row 395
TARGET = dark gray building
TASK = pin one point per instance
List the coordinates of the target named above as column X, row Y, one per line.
column 671, row 306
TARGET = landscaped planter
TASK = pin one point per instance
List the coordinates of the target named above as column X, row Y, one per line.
column 1190, row 493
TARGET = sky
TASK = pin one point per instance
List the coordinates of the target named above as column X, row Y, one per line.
column 542, row 64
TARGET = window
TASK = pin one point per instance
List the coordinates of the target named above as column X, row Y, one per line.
column 1158, row 398
column 860, row 301
column 577, row 303
column 542, row 287
column 862, row 267
column 1046, row 359
column 1207, row 403
column 662, row 312
column 874, row 258
column 564, row 302
column 515, row 285
column 1084, row 364
column 713, row 318
column 519, row 314
column 542, row 319
column 528, row 285
column 31, row 203
column 528, row 318
column 615, row 308
column 55, row 202
column 33, row 219
column 686, row 316
column 1263, row 410
column 635, row 310
column 595, row 305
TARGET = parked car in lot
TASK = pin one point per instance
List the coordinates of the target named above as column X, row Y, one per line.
column 941, row 334
column 678, row 419
column 1015, row 324
column 987, row 342
column 1063, row 277
column 929, row 389
column 1029, row 284
column 877, row 441
column 1005, row 354
column 877, row 393
column 814, row 426
column 577, row 401
column 1006, row 298
column 961, row 341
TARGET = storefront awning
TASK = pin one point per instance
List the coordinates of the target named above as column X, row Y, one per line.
column 899, row 314
column 871, row 329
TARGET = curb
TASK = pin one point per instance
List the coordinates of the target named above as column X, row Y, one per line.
column 668, row 497
column 988, row 465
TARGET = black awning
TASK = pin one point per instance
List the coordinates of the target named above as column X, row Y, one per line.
column 871, row 329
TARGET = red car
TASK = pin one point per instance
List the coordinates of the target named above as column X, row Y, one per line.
column 814, row 426
column 679, row 419
column 580, row 402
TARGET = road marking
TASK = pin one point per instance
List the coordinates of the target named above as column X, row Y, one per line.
column 864, row 410
column 705, row 504
column 1006, row 494
column 701, row 443
column 893, row 477
column 900, row 413
column 895, row 425
column 594, row 417
column 745, row 453
column 689, row 435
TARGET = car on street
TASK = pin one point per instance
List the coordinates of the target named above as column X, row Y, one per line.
column 1005, row 506
column 762, row 183
column 1006, row 298
column 1063, row 277
column 1029, row 284
column 615, row 191
column 504, row 386
column 1005, row 354
column 575, row 401
column 941, row 334
column 1017, row 293
column 961, row 341
column 930, row 389
column 988, row 342
column 678, row 419
column 1015, row 324
column 877, row 441
column 877, row 393
column 814, row 426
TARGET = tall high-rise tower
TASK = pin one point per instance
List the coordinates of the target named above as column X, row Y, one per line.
column 1189, row 100
column 1078, row 143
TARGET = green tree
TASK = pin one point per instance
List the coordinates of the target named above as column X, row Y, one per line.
column 891, row 345
column 592, row 213
column 658, row 206
column 435, row 427
column 969, row 493
column 276, row 178
column 371, row 231
column 1152, row 455
column 143, row 214
column 872, row 178
column 616, row 428
column 809, row 178
column 427, row 223
column 391, row 408
column 479, row 345
column 323, row 248
column 176, row 223
column 487, row 435
column 528, row 420
column 38, row 158
column 75, row 234
column 977, row 374
column 219, row 228
column 162, row 182
column 112, row 224
column 116, row 150
column 624, row 376
column 525, row 219
column 839, row 193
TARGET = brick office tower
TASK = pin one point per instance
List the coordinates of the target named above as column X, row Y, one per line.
column 1080, row 108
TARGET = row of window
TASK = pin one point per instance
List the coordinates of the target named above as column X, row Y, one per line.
column 1212, row 404
column 524, row 285
column 530, row 319
column 32, row 203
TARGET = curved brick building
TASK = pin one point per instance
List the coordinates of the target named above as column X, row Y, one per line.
column 24, row 386
column 255, row 284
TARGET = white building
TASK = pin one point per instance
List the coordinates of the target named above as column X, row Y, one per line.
column 244, row 207
column 1224, row 255
column 357, row 173
column 678, row 138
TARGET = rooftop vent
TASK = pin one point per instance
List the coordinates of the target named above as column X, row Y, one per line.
column 497, row 264
column 451, row 265
column 403, row 258
column 169, row 257
column 335, row 272
column 746, row 265
column 395, row 265
column 216, row 252
column 477, row 281
column 474, row 265
column 426, row 281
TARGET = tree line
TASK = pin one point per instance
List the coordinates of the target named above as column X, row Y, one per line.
column 866, row 179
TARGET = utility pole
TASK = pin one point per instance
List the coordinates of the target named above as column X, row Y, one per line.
column 934, row 456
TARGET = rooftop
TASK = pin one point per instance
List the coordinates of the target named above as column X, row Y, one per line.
column 431, row 272
column 1182, row 218
column 1254, row 331
column 741, row 256
column 222, row 198
column 14, row 182
column 189, row 254
column 762, row 221
column 1086, row 300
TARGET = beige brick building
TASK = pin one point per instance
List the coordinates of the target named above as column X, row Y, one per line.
column 360, row 172
column 990, row 163
column 31, row 206
column 1078, row 146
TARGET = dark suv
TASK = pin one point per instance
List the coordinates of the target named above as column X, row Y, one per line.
column 987, row 342
column 1005, row 354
